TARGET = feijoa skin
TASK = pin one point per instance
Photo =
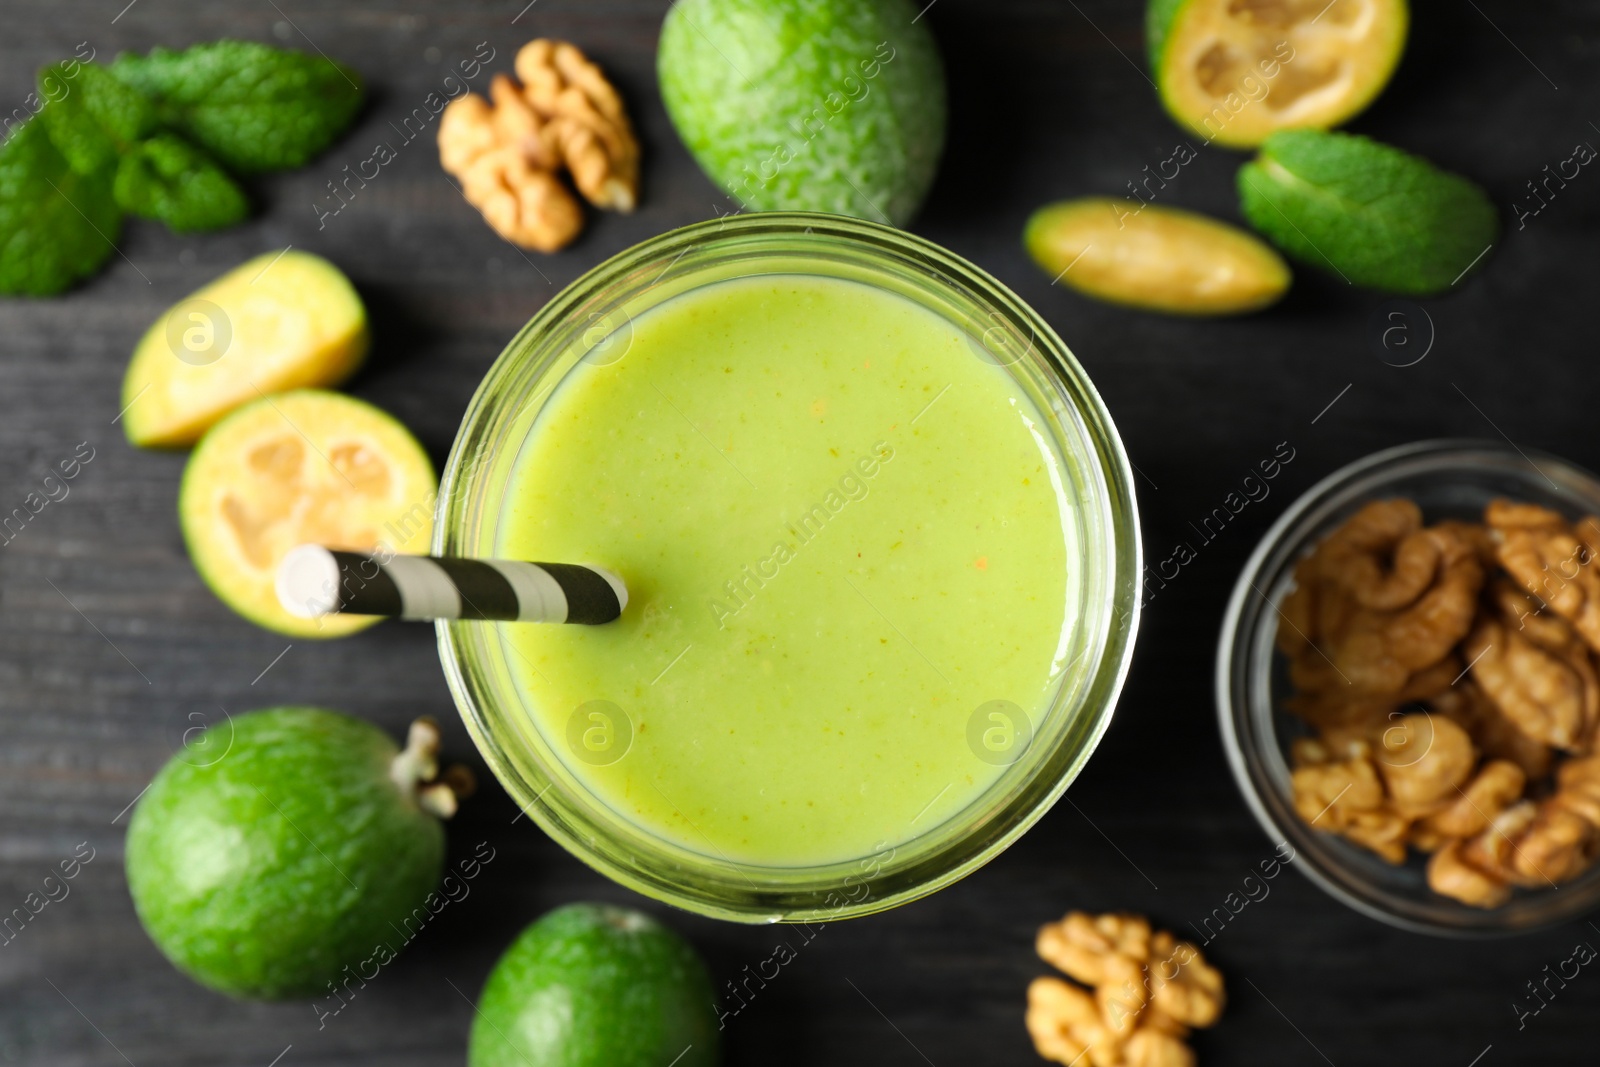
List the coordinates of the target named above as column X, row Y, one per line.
column 1374, row 215
column 266, row 859
column 591, row 985
column 808, row 105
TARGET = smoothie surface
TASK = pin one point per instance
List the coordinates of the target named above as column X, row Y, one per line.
column 842, row 533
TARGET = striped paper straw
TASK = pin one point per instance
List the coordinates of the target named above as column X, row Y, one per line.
column 315, row 581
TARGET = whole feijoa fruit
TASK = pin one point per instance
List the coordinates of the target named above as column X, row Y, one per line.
column 591, row 985
column 282, row 846
column 808, row 105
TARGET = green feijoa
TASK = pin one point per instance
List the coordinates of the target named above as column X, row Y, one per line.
column 1374, row 215
column 281, row 846
column 591, row 985
column 808, row 105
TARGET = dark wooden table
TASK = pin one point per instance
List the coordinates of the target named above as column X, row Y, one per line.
column 110, row 646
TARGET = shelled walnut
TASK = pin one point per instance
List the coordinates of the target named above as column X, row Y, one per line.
column 1552, row 697
column 1444, row 670
column 508, row 151
column 1496, row 786
column 586, row 126
column 1146, row 989
column 1552, row 560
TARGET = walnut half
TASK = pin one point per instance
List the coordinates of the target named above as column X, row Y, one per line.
column 1147, row 989
column 508, row 151
column 587, row 123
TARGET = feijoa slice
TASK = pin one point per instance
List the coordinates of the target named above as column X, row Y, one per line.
column 281, row 846
column 304, row 467
column 1157, row 258
column 1374, row 215
column 592, row 985
column 284, row 320
column 1233, row 71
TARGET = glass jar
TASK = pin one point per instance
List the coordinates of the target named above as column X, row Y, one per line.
column 591, row 321
column 1450, row 479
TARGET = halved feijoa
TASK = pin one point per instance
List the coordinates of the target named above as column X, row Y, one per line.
column 1375, row 215
column 1159, row 258
column 284, row 320
column 304, row 467
column 1233, row 71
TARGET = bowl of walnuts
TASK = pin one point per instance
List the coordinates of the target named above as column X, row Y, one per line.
column 1409, row 686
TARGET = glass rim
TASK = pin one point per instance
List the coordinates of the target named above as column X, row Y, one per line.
column 1110, row 515
column 1240, row 702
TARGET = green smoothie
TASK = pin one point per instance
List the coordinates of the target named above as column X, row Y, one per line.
column 845, row 535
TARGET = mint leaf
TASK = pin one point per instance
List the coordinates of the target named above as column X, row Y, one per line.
column 1378, row 217
column 254, row 108
column 169, row 179
column 91, row 116
column 56, row 225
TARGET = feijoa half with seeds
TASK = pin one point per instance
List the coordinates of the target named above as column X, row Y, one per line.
column 1234, row 71
column 304, row 467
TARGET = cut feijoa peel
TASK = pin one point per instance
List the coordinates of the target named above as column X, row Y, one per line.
column 304, row 467
column 1375, row 216
column 284, row 320
column 280, row 847
column 1233, row 71
column 1157, row 258
column 592, row 985
column 808, row 105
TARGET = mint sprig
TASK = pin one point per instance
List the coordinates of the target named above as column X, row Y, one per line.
column 252, row 107
column 92, row 117
column 167, row 178
column 151, row 135
column 56, row 225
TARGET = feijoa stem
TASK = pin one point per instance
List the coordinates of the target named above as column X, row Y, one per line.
column 415, row 770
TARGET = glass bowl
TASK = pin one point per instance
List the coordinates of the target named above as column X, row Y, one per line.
column 590, row 322
column 1448, row 479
